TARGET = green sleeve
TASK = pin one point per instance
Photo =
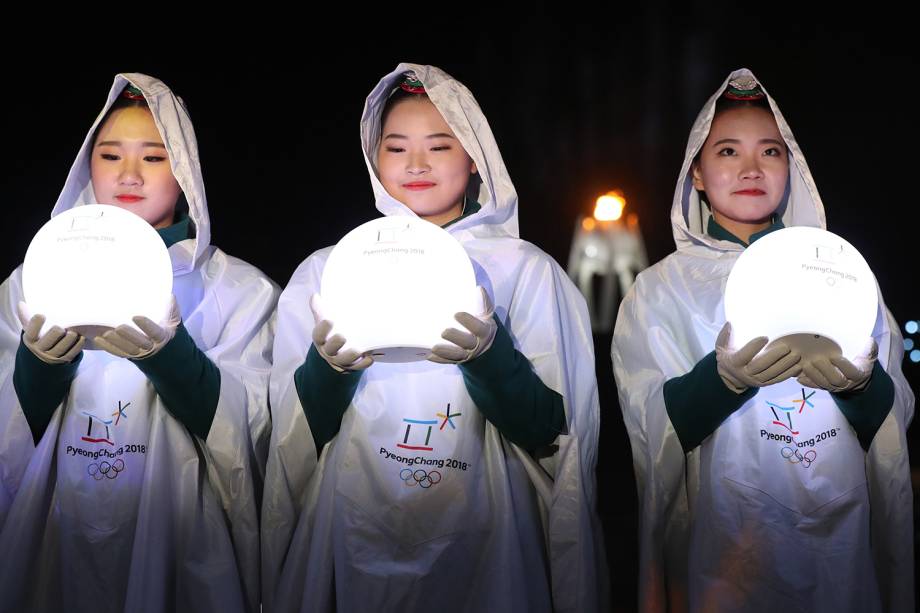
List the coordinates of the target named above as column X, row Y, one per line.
column 324, row 394
column 187, row 381
column 867, row 409
column 41, row 387
column 699, row 401
column 511, row 395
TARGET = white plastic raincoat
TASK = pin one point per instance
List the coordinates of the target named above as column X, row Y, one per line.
column 743, row 522
column 176, row 529
column 493, row 529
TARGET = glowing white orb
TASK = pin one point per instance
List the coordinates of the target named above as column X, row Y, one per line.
column 908, row 344
column 915, row 355
column 807, row 286
column 911, row 327
column 95, row 267
column 393, row 285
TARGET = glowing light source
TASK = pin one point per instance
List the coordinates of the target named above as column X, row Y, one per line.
column 588, row 223
column 915, row 355
column 908, row 344
column 911, row 327
column 95, row 267
column 392, row 285
column 805, row 285
column 609, row 207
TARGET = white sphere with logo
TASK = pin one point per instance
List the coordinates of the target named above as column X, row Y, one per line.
column 806, row 286
column 392, row 285
column 94, row 267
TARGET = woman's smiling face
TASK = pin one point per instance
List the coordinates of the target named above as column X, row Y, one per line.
column 130, row 167
column 420, row 161
column 743, row 167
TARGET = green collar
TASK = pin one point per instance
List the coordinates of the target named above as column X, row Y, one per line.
column 176, row 232
column 714, row 230
column 471, row 208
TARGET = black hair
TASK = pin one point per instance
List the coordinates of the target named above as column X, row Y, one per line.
column 396, row 97
column 728, row 104
column 121, row 102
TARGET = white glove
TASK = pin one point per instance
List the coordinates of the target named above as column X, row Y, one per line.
column 330, row 348
column 749, row 367
column 838, row 374
column 467, row 345
column 56, row 346
column 126, row 342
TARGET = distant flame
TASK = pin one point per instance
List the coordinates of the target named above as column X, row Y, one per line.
column 610, row 206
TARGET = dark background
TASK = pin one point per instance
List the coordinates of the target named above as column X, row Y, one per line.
column 578, row 107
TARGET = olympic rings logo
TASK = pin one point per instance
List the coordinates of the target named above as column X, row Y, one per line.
column 105, row 470
column 796, row 457
column 419, row 477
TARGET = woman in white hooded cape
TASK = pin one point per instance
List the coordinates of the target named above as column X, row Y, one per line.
column 497, row 528
column 735, row 524
column 173, row 523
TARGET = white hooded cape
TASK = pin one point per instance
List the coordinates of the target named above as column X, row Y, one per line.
column 498, row 530
column 177, row 528
column 734, row 525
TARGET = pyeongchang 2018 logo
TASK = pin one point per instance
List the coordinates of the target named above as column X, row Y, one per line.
column 795, row 449
column 419, row 437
